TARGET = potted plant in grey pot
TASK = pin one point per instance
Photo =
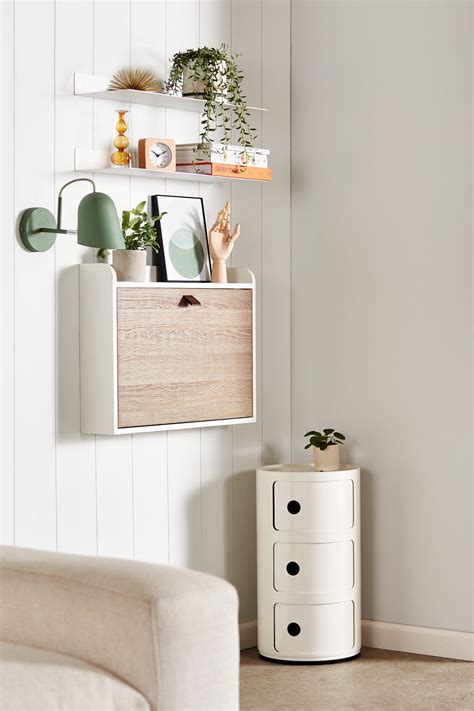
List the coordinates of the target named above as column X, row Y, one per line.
column 213, row 75
column 138, row 233
column 325, row 449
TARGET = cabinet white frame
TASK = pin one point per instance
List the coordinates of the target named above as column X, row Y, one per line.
column 98, row 347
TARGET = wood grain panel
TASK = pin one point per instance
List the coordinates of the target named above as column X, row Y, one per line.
column 182, row 364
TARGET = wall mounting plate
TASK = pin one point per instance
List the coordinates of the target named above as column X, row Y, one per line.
column 32, row 225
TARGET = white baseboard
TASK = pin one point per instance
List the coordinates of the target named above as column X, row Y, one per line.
column 248, row 634
column 397, row 638
column 418, row 640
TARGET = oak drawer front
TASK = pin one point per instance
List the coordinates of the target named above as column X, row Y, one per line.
column 314, row 507
column 313, row 567
column 314, row 629
column 183, row 364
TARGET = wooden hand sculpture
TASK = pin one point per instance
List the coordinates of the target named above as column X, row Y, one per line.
column 221, row 244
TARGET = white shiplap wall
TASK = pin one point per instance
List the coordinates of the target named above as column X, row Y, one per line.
column 184, row 497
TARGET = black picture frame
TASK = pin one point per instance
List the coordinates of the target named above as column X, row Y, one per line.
column 159, row 258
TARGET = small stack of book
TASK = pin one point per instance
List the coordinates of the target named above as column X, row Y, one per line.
column 226, row 161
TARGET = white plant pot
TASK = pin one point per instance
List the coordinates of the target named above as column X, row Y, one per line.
column 130, row 264
column 327, row 460
column 197, row 87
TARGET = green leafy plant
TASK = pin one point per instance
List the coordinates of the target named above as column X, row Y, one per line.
column 322, row 441
column 225, row 106
column 138, row 229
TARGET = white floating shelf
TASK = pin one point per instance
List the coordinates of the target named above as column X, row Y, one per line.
column 96, row 161
column 194, row 177
column 95, row 87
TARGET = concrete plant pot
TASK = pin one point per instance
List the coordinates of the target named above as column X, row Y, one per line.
column 327, row 460
column 197, row 87
column 130, row 264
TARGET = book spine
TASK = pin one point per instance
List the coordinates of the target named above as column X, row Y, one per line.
column 227, row 171
column 245, row 172
column 229, row 158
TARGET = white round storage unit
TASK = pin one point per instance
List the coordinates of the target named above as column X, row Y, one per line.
column 308, row 562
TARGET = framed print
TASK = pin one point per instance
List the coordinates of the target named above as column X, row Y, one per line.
column 183, row 253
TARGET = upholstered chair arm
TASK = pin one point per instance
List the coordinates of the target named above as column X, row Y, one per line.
column 170, row 633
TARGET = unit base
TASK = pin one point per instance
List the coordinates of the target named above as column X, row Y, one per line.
column 328, row 660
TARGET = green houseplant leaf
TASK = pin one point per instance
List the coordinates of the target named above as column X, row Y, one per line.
column 138, row 229
column 329, row 438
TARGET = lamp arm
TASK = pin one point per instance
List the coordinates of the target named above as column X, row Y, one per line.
column 60, row 203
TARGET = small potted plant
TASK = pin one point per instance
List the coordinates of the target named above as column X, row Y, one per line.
column 325, row 449
column 213, row 75
column 138, row 233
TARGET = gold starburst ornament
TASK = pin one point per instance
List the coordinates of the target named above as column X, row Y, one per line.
column 135, row 78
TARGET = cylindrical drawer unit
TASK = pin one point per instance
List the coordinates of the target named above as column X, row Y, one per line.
column 308, row 549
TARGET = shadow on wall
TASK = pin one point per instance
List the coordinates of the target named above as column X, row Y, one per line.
column 211, row 506
column 367, row 493
column 271, row 455
column 67, row 355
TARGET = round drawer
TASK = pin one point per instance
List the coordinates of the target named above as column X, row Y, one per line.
column 314, row 507
column 313, row 567
column 314, row 629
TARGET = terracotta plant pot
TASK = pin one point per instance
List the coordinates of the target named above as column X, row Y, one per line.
column 327, row 460
column 130, row 264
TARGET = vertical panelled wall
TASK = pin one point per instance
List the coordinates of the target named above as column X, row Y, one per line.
column 184, row 497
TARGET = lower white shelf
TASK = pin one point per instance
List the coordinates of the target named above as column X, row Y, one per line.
column 95, row 161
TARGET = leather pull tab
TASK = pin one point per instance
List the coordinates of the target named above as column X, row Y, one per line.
column 189, row 300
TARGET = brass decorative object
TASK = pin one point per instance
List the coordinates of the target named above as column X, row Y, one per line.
column 135, row 78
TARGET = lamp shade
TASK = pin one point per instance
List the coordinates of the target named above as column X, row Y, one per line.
column 98, row 223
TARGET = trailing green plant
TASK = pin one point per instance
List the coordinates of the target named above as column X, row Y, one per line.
column 322, row 441
column 225, row 106
column 138, row 229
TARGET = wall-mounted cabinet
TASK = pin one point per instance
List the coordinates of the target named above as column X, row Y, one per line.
column 161, row 355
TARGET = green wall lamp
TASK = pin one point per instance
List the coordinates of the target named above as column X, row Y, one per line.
column 97, row 223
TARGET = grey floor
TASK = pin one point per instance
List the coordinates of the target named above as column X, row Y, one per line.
column 376, row 680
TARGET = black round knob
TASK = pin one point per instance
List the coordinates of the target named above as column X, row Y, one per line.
column 294, row 507
column 293, row 629
column 292, row 568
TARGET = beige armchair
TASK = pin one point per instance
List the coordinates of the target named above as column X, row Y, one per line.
column 94, row 633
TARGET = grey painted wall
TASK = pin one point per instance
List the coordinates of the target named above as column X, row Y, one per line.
column 381, row 284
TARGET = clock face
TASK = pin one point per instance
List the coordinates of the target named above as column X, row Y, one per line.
column 159, row 155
